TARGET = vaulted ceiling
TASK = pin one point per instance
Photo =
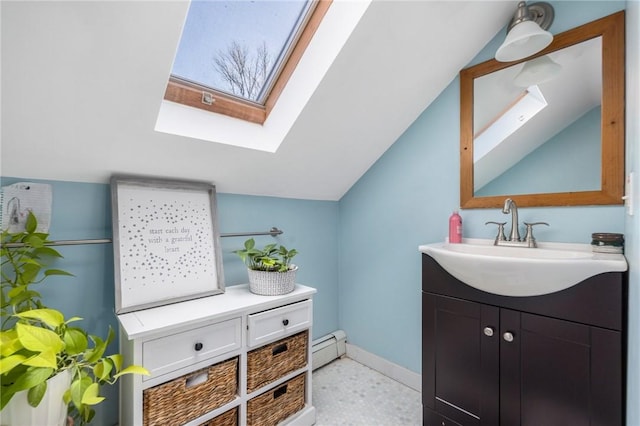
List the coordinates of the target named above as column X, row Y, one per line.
column 82, row 85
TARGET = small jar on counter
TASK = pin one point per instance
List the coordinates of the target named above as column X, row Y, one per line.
column 604, row 242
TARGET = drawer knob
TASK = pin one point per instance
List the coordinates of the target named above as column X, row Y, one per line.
column 508, row 336
column 488, row 331
column 285, row 322
column 198, row 346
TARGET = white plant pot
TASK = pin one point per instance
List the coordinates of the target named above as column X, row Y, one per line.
column 272, row 283
column 52, row 411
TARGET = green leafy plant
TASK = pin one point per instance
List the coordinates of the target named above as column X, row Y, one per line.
column 37, row 342
column 272, row 258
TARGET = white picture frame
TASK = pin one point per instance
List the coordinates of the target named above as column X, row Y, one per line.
column 166, row 242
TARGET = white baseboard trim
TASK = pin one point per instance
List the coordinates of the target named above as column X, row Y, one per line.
column 388, row 368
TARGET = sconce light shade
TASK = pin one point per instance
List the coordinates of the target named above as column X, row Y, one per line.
column 526, row 32
column 537, row 71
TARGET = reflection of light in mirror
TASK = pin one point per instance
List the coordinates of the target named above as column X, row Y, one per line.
column 523, row 109
column 537, row 71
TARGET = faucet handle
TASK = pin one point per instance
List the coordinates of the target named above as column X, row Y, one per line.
column 531, row 241
column 500, row 236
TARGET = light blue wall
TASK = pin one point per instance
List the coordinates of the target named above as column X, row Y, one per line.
column 405, row 199
column 83, row 211
column 309, row 226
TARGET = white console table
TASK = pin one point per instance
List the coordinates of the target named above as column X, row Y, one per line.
column 176, row 342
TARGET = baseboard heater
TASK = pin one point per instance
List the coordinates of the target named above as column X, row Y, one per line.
column 328, row 348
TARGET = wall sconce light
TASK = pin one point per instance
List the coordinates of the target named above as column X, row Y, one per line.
column 526, row 33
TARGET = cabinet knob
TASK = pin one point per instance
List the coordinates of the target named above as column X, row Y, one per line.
column 285, row 322
column 488, row 331
column 198, row 346
column 508, row 336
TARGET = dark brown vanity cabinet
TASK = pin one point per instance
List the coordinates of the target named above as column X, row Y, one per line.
column 556, row 359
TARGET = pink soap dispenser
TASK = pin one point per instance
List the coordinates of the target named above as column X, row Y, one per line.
column 455, row 228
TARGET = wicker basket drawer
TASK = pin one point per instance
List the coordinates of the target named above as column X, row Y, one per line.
column 191, row 396
column 228, row 418
column 279, row 322
column 169, row 353
column 278, row 404
column 269, row 363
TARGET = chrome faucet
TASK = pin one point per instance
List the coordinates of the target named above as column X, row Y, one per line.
column 514, row 236
column 510, row 207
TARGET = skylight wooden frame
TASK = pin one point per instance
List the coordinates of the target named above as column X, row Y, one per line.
column 191, row 94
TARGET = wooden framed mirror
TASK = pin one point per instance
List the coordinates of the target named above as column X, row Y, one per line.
column 485, row 141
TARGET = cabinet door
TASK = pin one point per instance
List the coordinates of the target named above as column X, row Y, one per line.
column 556, row 372
column 460, row 360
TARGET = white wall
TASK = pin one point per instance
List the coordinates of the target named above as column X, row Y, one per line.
column 632, row 223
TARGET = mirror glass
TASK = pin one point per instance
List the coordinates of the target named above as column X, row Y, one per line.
column 548, row 130
column 528, row 117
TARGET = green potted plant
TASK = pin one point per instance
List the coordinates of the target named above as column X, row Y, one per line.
column 41, row 350
column 270, row 269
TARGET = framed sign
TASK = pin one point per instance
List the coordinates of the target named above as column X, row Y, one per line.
column 166, row 242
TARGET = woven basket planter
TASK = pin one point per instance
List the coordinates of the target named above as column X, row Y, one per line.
column 272, row 283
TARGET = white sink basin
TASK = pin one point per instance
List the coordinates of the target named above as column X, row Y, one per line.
column 519, row 271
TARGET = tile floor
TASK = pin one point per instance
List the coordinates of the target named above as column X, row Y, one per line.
column 347, row 393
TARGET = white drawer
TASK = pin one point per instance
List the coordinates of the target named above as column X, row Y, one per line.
column 276, row 323
column 169, row 353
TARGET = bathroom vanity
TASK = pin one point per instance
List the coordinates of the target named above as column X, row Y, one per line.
column 548, row 359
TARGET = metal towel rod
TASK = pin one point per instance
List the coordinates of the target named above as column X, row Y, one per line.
column 273, row 232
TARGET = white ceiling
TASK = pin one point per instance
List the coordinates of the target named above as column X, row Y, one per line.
column 82, row 84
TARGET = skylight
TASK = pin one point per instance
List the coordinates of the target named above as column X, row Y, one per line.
column 323, row 38
column 233, row 55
